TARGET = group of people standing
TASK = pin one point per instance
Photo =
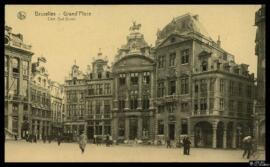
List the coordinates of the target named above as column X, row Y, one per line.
column 185, row 143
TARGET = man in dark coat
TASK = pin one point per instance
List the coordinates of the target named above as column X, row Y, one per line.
column 247, row 146
column 107, row 140
column 169, row 143
column 187, row 146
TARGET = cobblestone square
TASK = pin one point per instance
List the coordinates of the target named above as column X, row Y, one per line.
column 70, row 152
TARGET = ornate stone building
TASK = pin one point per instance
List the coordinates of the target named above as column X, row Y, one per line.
column 89, row 99
column 57, row 106
column 134, row 89
column 201, row 91
column 18, row 57
column 260, row 52
column 41, row 114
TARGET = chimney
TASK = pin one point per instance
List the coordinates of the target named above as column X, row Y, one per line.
column 219, row 42
column 20, row 36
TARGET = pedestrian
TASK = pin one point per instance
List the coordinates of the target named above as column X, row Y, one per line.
column 16, row 138
column 168, row 143
column 247, row 146
column 59, row 139
column 35, row 138
column 82, row 142
column 187, row 143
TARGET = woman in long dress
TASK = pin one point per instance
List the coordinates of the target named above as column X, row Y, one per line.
column 82, row 142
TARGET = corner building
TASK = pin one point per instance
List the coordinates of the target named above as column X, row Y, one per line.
column 18, row 57
column 201, row 91
column 134, row 89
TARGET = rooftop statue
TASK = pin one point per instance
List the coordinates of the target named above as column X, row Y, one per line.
column 135, row 26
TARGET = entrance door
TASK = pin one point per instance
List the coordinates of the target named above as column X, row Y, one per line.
column 133, row 126
column 171, row 131
column 90, row 132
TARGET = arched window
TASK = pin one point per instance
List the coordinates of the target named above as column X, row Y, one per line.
column 204, row 65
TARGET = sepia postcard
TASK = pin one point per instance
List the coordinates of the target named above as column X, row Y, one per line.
column 135, row 83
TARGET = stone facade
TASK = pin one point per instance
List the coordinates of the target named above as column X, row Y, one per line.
column 260, row 52
column 41, row 113
column 18, row 57
column 89, row 100
column 201, row 91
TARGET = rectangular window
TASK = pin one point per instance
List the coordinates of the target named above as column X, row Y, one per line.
column 249, row 108
column 24, row 88
column 196, row 87
column 231, row 105
column 196, row 105
column 15, row 86
column 231, row 88
column 185, row 86
column 107, row 106
column 221, row 103
column 121, row 127
column 222, row 85
column 134, row 100
column 25, row 66
column 146, row 78
column 161, row 61
column 107, row 88
column 145, row 102
column 240, row 108
column 122, row 79
column 185, row 56
column 203, row 105
column 98, row 105
column 184, row 107
column 240, row 85
column 99, row 75
column 161, row 89
column 15, row 65
column 184, row 126
column 134, row 78
column 172, row 88
column 160, row 127
column 203, row 87
column 212, row 85
column 172, row 59
column 121, row 104
column 91, row 90
column 249, row 94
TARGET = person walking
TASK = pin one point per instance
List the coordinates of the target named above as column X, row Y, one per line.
column 58, row 139
column 168, row 143
column 187, row 146
column 184, row 146
column 82, row 142
column 247, row 146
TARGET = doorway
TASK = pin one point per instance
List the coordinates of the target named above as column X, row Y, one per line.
column 171, row 131
column 133, row 126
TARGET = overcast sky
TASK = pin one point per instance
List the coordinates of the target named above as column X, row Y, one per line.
column 61, row 42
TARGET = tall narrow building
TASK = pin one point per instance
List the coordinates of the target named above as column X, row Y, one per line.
column 18, row 57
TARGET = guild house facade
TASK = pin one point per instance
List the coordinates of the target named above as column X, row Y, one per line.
column 89, row 99
column 18, row 57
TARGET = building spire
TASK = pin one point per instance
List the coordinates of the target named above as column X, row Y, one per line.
column 218, row 41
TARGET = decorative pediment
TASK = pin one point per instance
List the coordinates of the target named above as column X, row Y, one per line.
column 204, row 54
column 172, row 39
column 133, row 61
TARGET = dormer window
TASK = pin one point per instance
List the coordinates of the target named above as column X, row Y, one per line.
column 172, row 39
column 204, row 66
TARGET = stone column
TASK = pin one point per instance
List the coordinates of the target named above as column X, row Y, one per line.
column 208, row 95
column 102, row 130
column 214, row 139
column 140, row 128
column 40, row 128
column 114, row 128
column 152, row 91
column 127, row 128
column 45, row 128
column 115, row 93
column 127, row 93
column 140, row 92
column 234, row 137
column 225, row 137
column 35, row 128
